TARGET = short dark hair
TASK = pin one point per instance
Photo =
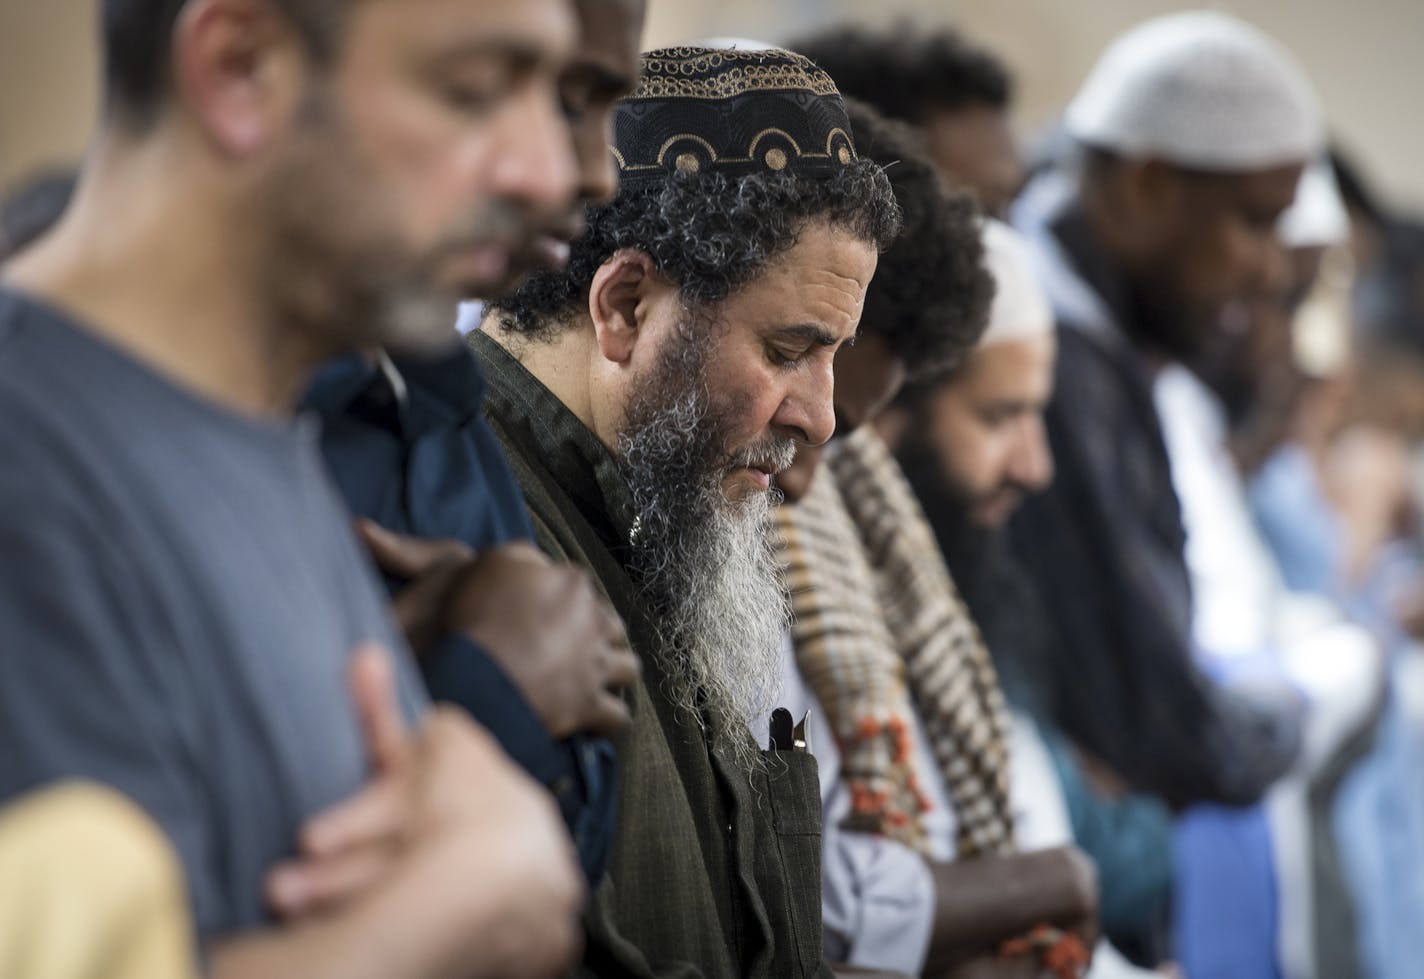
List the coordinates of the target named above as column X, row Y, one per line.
column 907, row 72
column 931, row 292
column 709, row 232
column 138, row 42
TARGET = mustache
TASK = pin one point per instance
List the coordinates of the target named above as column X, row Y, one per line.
column 508, row 225
column 773, row 453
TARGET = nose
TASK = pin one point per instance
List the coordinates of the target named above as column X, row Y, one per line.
column 598, row 175
column 1272, row 266
column 1031, row 463
column 807, row 411
column 536, row 164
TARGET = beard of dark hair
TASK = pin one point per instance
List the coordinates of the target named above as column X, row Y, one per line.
column 998, row 593
column 705, row 565
column 1159, row 319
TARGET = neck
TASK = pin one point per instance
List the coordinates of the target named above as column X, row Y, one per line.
column 156, row 254
column 557, row 363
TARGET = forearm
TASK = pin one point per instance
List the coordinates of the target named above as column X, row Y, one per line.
column 979, row 903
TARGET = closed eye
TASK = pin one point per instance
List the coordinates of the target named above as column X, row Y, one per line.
column 788, row 346
column 784, row 359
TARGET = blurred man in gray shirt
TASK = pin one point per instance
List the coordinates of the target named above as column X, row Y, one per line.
column 186, row 615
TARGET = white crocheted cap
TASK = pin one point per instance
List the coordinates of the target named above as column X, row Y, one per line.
column 1199, row 89
column 1021, row 309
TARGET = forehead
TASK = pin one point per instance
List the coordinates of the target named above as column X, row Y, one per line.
column 536, row 31
column 821, row 279
column 1259, row 190
column 1013, row 368
column 609, row 33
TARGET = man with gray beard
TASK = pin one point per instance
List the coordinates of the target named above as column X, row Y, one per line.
column 647, row 395
column 696, row 554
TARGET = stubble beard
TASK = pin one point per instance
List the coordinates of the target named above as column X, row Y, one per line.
column 334, row 267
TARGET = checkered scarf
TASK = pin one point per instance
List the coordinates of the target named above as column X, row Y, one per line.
column 880, row 632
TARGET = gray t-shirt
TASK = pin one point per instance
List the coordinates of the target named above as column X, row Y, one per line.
column 180, row 591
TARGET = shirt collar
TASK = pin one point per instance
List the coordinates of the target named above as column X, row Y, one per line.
column 535, row 419
column 410, row 396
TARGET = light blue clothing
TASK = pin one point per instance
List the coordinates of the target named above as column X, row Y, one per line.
column 1379, row 823
column 1298, row 523
column 1378, row 814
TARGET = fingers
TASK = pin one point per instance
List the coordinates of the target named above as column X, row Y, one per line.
column 609, row 715
column 301, row 887
column 621, row 668
column 371, row 817
column 421, row 607
column 408, row 557
column 371, row 678
column 613, row 626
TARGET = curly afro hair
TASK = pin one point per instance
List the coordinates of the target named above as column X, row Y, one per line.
column 931, row 292
column 908, row 73
column 709, row 233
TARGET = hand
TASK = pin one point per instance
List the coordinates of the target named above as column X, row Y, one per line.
column 447, row 804
column 543, row 623
column 349, row 847
column 980, row 903
column 432, row 567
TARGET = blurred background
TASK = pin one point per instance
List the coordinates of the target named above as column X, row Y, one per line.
column 1363, row 56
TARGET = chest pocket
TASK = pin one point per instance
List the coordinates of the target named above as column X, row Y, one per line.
column 795, row 801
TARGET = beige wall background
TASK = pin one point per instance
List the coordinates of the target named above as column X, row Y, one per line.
column 1366, row 56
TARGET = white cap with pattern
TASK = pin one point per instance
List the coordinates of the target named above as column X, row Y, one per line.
column 1199, row 89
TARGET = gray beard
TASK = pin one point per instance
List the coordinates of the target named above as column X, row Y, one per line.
column 706, row 565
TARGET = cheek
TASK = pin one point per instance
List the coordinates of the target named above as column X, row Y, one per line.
column 971, row 454
column 1232, row 255
column 747, row 397
column 421, row 159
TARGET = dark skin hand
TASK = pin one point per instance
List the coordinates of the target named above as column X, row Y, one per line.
column 543, row 623
column 982, row 902
column 992, row 967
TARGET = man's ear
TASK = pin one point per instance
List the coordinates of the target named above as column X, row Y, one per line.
column 239, row 71
column 618, row 301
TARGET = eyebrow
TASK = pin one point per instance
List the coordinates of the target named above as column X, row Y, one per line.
column 601, row 79
column 807, row 333
column 522, row 54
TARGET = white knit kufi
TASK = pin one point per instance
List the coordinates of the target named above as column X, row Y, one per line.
column 1021, row 309
column 1199, row 89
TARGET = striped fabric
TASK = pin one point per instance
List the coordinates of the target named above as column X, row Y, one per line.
column 880, row 632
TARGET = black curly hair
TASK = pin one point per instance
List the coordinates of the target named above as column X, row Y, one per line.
column 931, row 292
column 708, row 232
column 907, row 72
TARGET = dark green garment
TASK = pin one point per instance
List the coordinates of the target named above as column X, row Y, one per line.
column 715, row 871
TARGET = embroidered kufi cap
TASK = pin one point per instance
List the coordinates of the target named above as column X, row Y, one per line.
column 732, row 111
